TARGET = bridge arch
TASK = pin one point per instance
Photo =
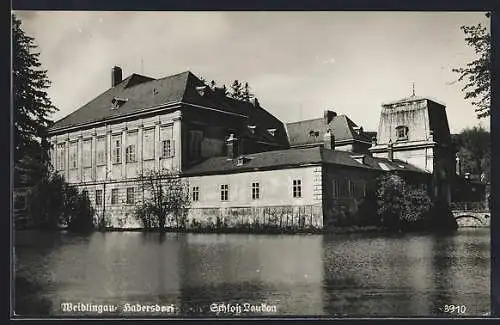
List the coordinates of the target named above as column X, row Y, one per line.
column 469, row 216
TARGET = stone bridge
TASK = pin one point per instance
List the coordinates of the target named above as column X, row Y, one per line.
column 471, row 214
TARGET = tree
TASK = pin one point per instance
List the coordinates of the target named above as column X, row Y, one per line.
column 246, row 95
column 32, row 106
column 476, row 74
column 236, row 90
column 166, row 195
column 474, row 150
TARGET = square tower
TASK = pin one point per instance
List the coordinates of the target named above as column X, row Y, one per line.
column 415, row 130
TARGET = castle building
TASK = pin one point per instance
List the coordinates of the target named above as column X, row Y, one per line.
column 415, row 130
column 241, row 162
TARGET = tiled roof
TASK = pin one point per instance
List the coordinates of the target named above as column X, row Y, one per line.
column 140, row 93
column 137, row 89
column 302, row 132
column 294, row 157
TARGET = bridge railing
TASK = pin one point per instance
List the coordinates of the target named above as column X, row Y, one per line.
column 469, row 206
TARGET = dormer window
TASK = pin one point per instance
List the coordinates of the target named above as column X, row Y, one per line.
column 402, row 133
column 118, row 102
column 252, row 128
column 313, row 133
column 202, row 90
column 271, row 131
column 240, row 161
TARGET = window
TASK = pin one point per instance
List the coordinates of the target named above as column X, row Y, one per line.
column 336, row 189
column 344, row 188
column 85, row 193
column 402, row 132
column 130, row 195
column 148, row 144
column 61, row 156
column 73, row 155
column 196, row 193
column 87, row 153
column 297, row 188
column 352, row 188
column 131, row 148
column 101, row 151
column 114, row 196
column 166, row 148
column 117, row 149
column 130, row 153
column 255, row 191
column 98, row 197
column 195, row 139
column 224, row 192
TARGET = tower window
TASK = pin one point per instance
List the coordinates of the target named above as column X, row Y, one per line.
column 402, row 132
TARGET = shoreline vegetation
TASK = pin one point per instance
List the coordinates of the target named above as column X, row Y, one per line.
column 395, row 207
column 246, row 229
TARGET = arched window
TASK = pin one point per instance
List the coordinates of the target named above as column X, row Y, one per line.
column 402, row 132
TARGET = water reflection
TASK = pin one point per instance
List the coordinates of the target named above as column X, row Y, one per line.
column 341, row 275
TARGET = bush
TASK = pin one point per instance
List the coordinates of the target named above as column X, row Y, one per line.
column 81, row 214
column 55, row 203
column 401, row 206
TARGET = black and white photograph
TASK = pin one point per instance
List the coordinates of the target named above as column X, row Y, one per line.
column 262, row 164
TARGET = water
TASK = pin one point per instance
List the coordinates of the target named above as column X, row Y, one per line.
column 302, row 275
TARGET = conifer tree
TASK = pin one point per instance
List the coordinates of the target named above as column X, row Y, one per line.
column 236, row 90
column 31, row 104
column 246, row 95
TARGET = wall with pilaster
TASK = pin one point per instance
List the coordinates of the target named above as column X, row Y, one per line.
column 110, row 170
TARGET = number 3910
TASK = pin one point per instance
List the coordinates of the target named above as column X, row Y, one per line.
column 459, row 309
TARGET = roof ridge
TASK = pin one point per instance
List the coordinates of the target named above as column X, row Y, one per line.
column 311, row 119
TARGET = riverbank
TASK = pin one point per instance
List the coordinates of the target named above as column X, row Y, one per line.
column 246, row 230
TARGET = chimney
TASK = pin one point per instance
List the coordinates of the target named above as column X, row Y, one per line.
column 232, row 147
column 390, row 151
column 328, row 116
column 255, row 102
column 116, row 76
column 358, row 130
column 329, row 140
column 220, row 92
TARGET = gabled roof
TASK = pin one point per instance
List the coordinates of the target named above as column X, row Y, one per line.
column 300, row 133
column 295, row 157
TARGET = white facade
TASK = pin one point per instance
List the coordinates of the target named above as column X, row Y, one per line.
column 119, row 151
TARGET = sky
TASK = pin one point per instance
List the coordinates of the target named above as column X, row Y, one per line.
column 298, row 64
